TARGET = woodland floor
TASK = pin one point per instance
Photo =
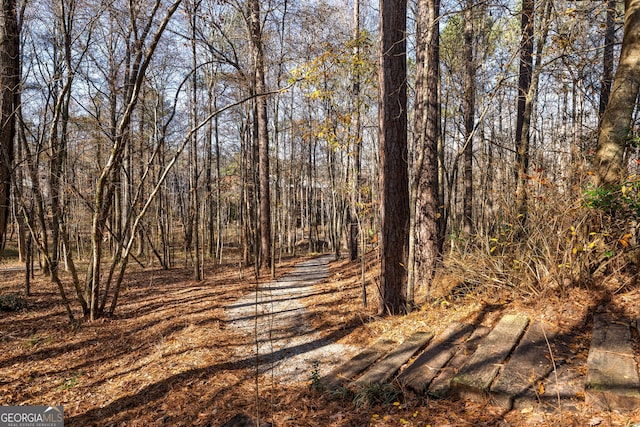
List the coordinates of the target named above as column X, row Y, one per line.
column 172, row 355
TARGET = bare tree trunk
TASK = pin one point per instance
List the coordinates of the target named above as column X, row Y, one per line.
column 18, row 208
column 616, row 121
column 607, row 56
column 469, row 118
column 357, row 140
column 103, row 197
column 394, row 180
column 263, row 134
column 219, row 239
column 9, row 95
column 524, row 84
column 248, row 193
column 194, row 196
column 425, row 244
column 209, row 200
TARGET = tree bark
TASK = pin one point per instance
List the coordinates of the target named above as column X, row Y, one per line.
column 194, row 173
column 394, row 180
column 607, row 56
column 616, row 121
column 9, row 95
column 263, row 135
column 357, row 179
column 522, row 128
column 469, row 118
column 425, row 237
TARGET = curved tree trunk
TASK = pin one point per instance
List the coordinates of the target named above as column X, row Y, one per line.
column 616, row 121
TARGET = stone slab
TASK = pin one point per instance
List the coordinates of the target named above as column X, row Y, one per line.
column 614, row 337
column 385, row 368
column 528, row 365
column 349, row 370
column 475, row 377
column 612, row 373
column 430, row 362
column 564, row 385
column 440, row 387
column 560, row 390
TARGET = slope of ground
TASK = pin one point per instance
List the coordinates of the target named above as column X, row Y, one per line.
column 170, row 356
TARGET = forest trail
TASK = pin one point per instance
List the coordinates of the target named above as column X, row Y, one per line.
column 279, row 330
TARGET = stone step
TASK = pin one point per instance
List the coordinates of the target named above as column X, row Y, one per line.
column 350, row 370
column 612, row 373
column 520, row 381
column 474, row 380
column 561, row 389
column 516, row 365
column 440, row 387
column 383, row 370
column 432, row 360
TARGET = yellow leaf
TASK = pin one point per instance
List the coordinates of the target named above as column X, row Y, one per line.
column 540, row 388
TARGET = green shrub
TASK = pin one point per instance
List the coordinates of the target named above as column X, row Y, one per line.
column 376, row 394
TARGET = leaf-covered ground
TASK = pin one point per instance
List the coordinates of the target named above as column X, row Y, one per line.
column 167, row 357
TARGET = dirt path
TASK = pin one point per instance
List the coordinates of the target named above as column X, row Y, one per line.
column 278, row 327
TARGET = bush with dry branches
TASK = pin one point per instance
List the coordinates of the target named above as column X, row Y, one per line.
column 566, row 241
